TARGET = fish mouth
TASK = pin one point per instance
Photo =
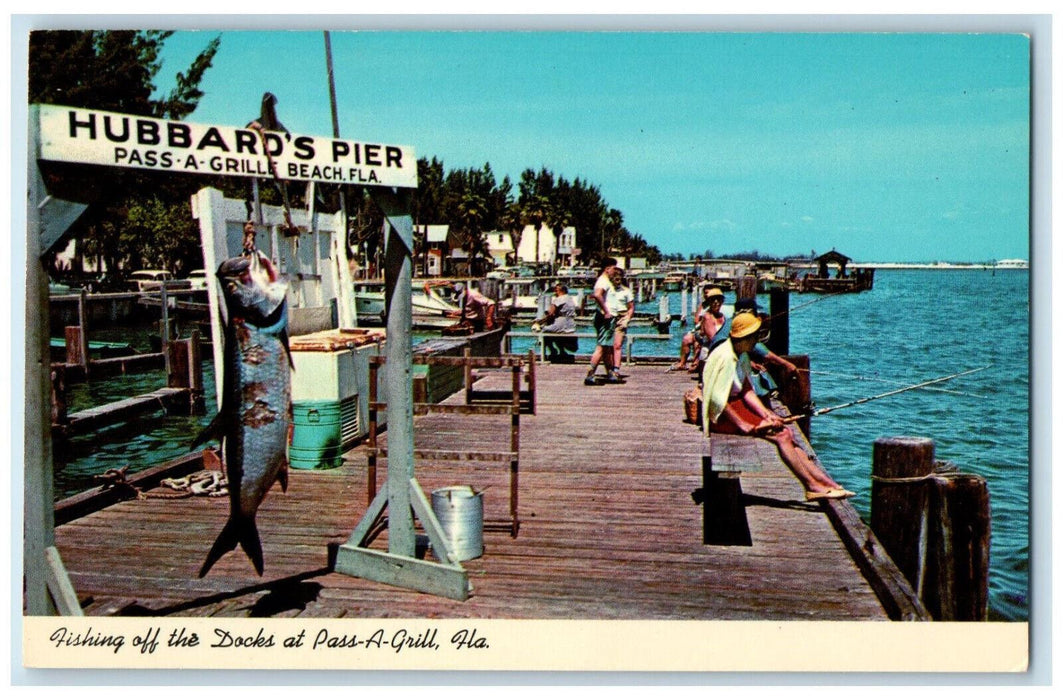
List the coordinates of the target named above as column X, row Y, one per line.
column 252, row 287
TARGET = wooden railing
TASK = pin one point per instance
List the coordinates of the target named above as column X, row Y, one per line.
column 541, row 337
column 513, row 403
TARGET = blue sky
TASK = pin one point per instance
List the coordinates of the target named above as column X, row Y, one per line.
column 887, row 147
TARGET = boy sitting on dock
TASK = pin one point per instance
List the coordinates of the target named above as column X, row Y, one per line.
column 731, row 406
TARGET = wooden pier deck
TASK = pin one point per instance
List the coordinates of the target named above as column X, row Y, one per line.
column 608, row 528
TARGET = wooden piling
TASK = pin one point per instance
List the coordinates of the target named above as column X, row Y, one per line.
column 957, row 569
column 779, row 305
column 899, row 500
column 935, row 525
column 58, row 394
column 746, row 287
column 185, row 369
column 76, row 352
column 83, row 324
column 796, row 392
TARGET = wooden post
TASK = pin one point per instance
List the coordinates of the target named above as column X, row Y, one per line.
column 177, row 364
column 935, row 526
column 83, row 322
column 899, row 512
column 779, row 307
column 164, row 327
column 58, row 394
column 746, row 287
column 796, row 394
column 185, row 369
column 957, row 569
column 723, row 512
column 75, row 349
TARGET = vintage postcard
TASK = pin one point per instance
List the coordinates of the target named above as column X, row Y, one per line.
column 586, row 346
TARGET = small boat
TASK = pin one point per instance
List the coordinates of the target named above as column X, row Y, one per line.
column 674, row 281
column 369, row 304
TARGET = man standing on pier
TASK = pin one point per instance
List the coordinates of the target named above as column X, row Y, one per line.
column 604, row 327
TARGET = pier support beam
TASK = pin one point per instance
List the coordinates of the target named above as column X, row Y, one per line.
column 746, row 287
column 724, row 514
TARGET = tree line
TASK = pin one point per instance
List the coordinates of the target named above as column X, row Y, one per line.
column 140, row 219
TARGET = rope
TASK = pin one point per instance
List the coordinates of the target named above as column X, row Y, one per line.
column 202, row 483
column 901, row 479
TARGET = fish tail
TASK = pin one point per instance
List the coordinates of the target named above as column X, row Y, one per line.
column 242, row 532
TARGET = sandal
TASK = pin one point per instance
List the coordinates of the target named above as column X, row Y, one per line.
column 828, row 494
column 677, row 367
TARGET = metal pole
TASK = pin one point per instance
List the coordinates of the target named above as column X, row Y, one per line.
column 348, row 308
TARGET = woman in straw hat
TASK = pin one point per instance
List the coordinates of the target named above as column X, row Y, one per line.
column 731, row 406
column 708, row 321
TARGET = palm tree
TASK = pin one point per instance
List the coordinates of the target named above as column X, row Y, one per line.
column 560, row 219
column 611, row 226
column 471, row 212
column 511, row 221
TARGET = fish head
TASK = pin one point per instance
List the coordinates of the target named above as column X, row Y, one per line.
column 253, row 290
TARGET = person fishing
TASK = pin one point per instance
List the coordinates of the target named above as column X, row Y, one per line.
column 731, row 406
column 708, row 324
column 760, row 356
column 559, row 318
column 476, row 310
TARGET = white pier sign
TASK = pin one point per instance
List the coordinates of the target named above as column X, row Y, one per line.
column 94, row 137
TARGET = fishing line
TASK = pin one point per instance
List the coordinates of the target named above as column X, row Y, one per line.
column 828, row 409
column 822, row 297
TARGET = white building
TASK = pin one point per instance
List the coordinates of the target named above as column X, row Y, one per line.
column 545, row 247
column 435, row 247
column 499, row 246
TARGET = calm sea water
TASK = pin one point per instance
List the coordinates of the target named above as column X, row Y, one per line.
column 914, row 326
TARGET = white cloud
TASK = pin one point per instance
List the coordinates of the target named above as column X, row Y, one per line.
column 717, row 225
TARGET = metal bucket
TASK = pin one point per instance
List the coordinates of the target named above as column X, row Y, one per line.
column 460, row 512
column 316, row 435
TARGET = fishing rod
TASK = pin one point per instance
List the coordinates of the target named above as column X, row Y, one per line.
column 879, row 380
column 822, row 297
column 828, row 409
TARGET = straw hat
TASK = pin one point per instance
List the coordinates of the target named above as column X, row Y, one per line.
column 744, row 324
column 711, row 292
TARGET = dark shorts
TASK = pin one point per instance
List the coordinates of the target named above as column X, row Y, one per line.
column 604, row 328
